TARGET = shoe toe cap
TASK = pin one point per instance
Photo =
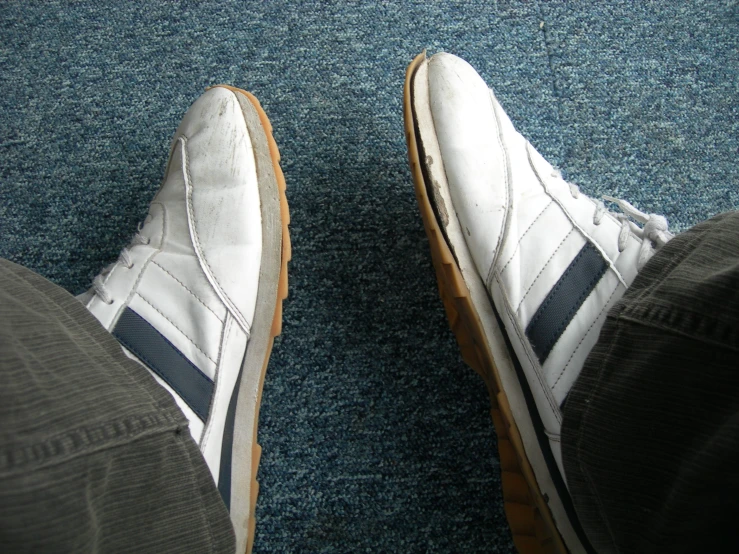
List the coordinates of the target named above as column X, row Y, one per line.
column 216, row 108
column 453, row 76
column 468, row 133
column 213, row 199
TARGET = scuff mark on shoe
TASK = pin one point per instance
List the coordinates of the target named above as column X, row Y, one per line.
column 439, row 202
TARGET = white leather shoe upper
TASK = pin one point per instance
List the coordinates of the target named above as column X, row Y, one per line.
column 192, row 273
column 553, row 260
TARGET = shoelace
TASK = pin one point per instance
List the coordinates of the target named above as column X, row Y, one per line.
column 98, row 284
column 654, row 233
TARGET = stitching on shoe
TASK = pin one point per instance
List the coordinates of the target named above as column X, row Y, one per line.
column 518, row 244
column 175, row 326
column 574, row 223
column 553, row 437
column 632, row 242
column 580, row 299
column 506, row 223
column 154, row 254
column 196, row 241
column 524, row 341
column 542, row 270
column 224, row 334
column 579, row 344
column 188, row 290
column 151, row 364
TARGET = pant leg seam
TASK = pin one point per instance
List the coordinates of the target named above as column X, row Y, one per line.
column 196, row 485
column 582, row 469
column 83, row 441
column 629, row 316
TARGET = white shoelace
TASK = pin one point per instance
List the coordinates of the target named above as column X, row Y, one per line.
column 654, row 234
column 98, row 284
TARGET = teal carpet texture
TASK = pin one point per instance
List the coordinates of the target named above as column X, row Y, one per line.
column 376, row 436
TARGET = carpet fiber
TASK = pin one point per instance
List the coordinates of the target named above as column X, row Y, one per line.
column 376, row 436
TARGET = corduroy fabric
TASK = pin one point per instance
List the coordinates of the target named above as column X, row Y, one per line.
column 376, row 436
column 95, row 456
column 650, row 436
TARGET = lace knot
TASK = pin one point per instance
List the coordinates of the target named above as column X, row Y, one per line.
column 655, row 229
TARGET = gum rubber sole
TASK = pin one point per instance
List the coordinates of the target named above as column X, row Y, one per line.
column 282, row 290
column 529, row 517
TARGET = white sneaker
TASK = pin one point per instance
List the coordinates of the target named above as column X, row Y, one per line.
column 197, row 296
column 528, row 268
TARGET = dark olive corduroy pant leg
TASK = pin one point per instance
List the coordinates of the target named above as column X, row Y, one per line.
column 94, row 455
column 650, row 436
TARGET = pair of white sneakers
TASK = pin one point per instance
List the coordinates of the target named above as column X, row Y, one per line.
column 527, row 268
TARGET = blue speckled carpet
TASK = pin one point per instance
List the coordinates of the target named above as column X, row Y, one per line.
column 376, row 436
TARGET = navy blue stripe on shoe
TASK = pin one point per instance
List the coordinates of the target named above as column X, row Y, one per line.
column 224, row 475
column 565, row 298
column 164, row 359
column 543, row 440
